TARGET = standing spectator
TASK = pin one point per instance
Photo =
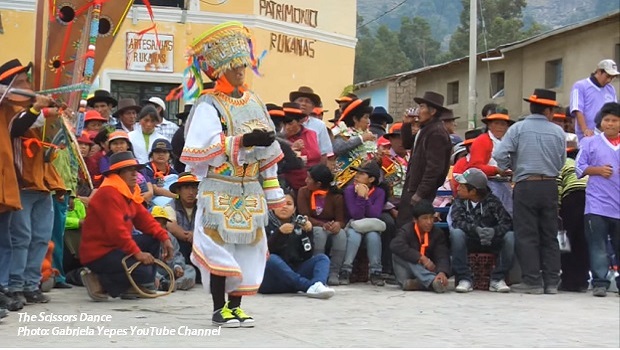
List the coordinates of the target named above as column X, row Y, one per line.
column 178, row 139
column 561, row 120
column 480, row 224
column 164, row 127
column 599, row 158
column 379, row 120
column 324, row 207
column 590, row 94
column 421, row 254
column 308, row 100
column 430, row 156
column 449, row 123
column 303, row 142
column 536, row 151
column 142, row 138
column 127, row 114
column 93, row 122
column 103, row 103
column 572, row 190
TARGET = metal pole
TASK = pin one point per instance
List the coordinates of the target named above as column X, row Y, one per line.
column 473, row 36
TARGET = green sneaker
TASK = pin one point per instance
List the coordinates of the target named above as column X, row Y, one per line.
column 245, row 320
column 225, row 318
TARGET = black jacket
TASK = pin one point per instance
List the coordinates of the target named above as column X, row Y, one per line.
column 290, row 247
column 406, row 246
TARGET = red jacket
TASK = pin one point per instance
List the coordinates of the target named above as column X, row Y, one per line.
column 459, row 167
column 110, row 219
column 480, row 154
column 297, row 178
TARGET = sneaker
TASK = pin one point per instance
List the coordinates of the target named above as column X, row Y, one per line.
column 377, row 280
column 413, row 284
column 36, row 297
column 499, row 287
column 438, row 287
column 463, row 287
column 93, row 286
column 599, row 291
column 344, row 278
column 245, row 320
column 19, row 296
column 526, row 289
column 320, row 291
column 551, row 290
column 9, row 303
column 333, row 279
column 225, row 318
column 62, row 285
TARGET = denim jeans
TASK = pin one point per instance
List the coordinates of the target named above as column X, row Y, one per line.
column 282, row 278
column 461, row 246
column 31, row 231
column 597, row 229
column 404, row 270
column 58, row 237
column 373, row 249
column 5, row 247
column 338, row 246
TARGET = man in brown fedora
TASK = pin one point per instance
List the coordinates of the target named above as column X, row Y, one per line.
column 430, row 155
column 127, row 114
column 536, row 151
column 308, row 100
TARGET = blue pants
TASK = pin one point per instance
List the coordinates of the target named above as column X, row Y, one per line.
column 5, row 247
column 281, row 278
column 30, row 235
column 461, row 245
column 597, row 229
column 58, row 237
column 373, row 249
column 404, row 270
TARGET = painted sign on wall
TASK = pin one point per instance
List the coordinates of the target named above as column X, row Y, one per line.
column 150, row 53
column 288, row 13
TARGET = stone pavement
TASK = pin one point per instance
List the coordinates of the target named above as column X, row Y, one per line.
column 359, row 315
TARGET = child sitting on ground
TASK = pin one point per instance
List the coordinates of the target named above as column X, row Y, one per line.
column 184, row 274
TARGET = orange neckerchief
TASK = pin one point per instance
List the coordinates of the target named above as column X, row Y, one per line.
column 159, row 174
column 371, row 191
column 313, row 197
column 423, row 243
column 222, row 85
column 114, row 180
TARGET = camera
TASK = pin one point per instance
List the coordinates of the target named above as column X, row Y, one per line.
column 300, row 222
column 305, row 242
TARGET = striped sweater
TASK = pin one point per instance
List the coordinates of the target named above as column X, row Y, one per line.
column 568, row 180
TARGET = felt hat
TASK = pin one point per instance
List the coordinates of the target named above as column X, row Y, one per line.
column 346, row 98
column 292, row 111
column 122, row 160
column 160, row 212
column 371, row 168
column 126, row 104
column 337, row 114
column 319, row 111
column 185, row 178
column 498, row 116
column 394, row 130
column 305, row 91
column 559, row 116
column 10, row 69
column 543, row 97
column 432, row 99
column 118, row 134
column 101, row 96
column 275, row 111
column 93, row 115
column 186, row 109
column 472, row 134
column 354, row 108
column 379, row 115
column 448, row 114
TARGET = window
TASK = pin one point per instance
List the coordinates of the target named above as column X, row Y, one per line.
column 166, row 3
column 140, row 91
column 553, row 74
column 497, row 83
column 453, row 93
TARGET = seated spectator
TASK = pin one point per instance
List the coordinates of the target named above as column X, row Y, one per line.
column 76, row 213
column 107, row 234
column 93, row 122
column 324, row 207
column 598, row 158
column 421, row 257
column 480, row 224
column 118, row 141
column 184, row 274
column 291, row 266
column 303, row 142
column 160, row 173
column 364, row 199
column 84, row 188
column 184, row 207
column 97, row 151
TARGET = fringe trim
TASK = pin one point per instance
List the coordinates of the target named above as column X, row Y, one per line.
column 213, row 268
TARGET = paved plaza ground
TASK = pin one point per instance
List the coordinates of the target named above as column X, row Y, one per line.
column 359, row 315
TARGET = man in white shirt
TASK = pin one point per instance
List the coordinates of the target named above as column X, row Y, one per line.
column 308, row 100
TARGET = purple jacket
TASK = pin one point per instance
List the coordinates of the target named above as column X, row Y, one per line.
column 359, row 208
column 601, row 194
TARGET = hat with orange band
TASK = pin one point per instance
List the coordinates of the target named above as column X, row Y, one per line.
column 292, row 111
column 10, row 69
column 184, row 179
column 122, row 160
column 543, row 97
column 498, row 116
column 357, row 108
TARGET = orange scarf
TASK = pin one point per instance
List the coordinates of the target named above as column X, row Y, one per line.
column 315, row 194
column 114, row 180
column 160, row 174
column 223, row 85
column 423, row 242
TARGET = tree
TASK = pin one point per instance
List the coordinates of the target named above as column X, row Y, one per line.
column 416, row 41
column 503, row 20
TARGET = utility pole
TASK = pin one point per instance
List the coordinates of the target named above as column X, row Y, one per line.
column 473, row 36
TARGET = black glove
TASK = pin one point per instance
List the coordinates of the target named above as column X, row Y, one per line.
column 259, row 138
